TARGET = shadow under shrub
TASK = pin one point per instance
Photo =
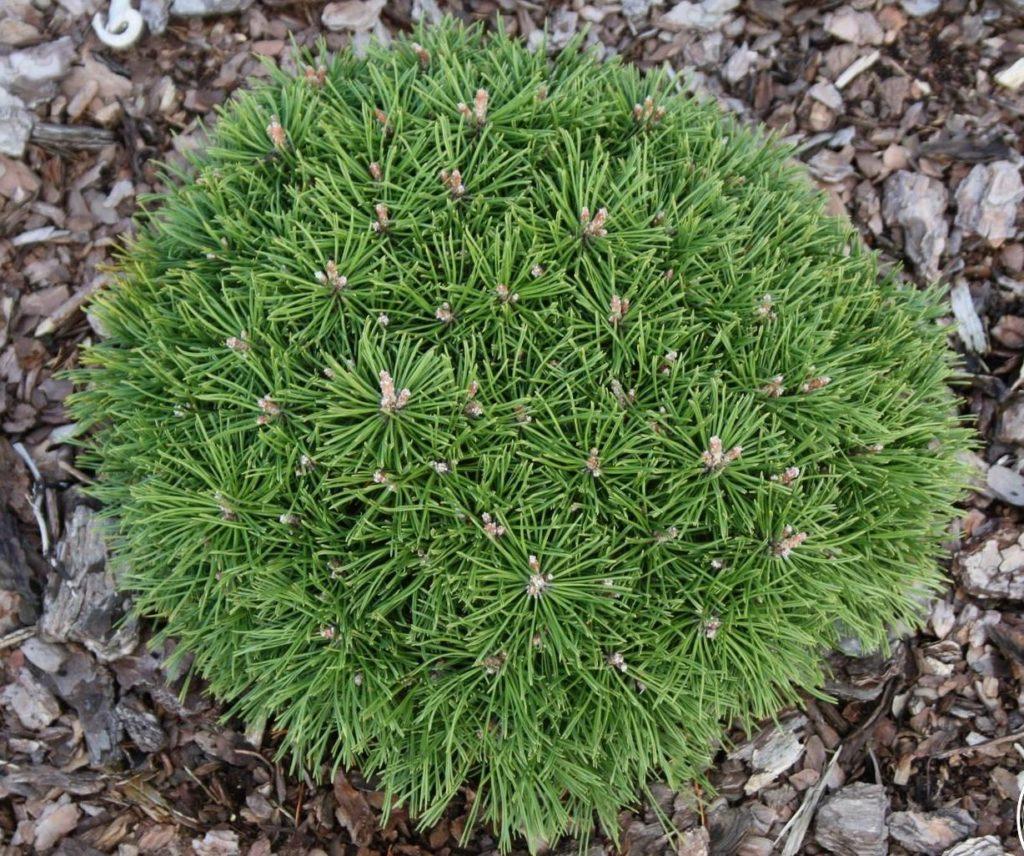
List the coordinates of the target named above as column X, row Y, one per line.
column 486, row 417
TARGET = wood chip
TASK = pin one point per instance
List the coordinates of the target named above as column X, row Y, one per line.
column 63, row 313
column 969, row 325
column 354, row 812
column 857, row 67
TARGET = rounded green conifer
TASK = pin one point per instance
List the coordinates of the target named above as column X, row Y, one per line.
column 484, row 417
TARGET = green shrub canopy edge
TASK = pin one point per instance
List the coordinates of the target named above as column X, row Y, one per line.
column 484, row 417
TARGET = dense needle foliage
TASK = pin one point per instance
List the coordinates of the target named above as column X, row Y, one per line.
column 484, row 417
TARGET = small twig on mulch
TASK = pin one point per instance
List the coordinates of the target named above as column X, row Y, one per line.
column 796, row 828
column 988, row 744
column 854, row 743
column 36, row 497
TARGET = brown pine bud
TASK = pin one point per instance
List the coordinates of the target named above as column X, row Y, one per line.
column 383, row 221
column 593, row 227
column 422, row 54
column 276, row 132
column 715, row 458
column 316, row 77
column 619, row 307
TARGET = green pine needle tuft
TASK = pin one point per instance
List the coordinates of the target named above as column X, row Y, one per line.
column 484, row 417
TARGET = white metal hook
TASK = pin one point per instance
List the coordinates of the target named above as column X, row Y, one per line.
column 122, row 27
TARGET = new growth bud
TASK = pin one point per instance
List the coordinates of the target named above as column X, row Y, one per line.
column 538, row 582
column 383, row 221
column 617, row 661
column 329, row 276
column 593, row 227
column 715, row 459
column 670, row 534
column 505, row 296
column 787, row 476
column 791, row 539
column 453, row 181
column 816, row 383
column 474, row 409
column 390, row 402
column 226, row 511
column 774, row 387
column 316, row 77
column 619, row 307
column 647, row 114
column 276, row 132
column 477, row 115
column 269, row 410
column 493, row 664
column 422, row 54
column 623, row 396
column 480, row 102
column 491, row 526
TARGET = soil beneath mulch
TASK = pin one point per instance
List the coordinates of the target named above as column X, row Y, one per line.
column 905, row 114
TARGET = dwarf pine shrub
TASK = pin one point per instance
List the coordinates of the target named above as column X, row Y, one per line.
column 484, row 417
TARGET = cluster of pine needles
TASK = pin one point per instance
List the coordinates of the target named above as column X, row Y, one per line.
column 484, row 417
